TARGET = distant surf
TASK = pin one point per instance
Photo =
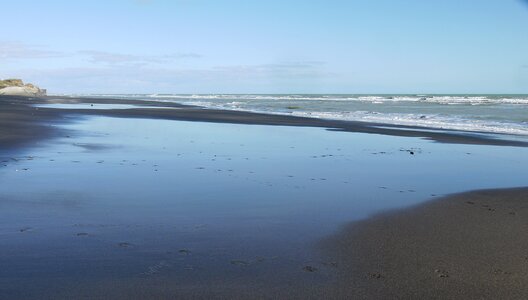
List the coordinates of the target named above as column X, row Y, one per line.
column 505, row 114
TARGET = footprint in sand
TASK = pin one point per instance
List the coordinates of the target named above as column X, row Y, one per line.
column 501, row 272
column 375, row 275
column 310, row 269
column 441, row 273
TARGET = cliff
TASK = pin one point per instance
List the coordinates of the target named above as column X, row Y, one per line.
column 16, row 87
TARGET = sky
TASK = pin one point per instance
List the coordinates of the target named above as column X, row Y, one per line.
column 272, row 46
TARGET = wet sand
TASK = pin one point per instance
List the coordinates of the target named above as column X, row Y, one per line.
column 21, row 124
column 466, row 246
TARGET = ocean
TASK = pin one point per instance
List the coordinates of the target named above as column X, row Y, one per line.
column 504, row 114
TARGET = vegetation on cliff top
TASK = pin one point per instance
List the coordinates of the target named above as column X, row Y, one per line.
column 17, row 87
column 11, row 82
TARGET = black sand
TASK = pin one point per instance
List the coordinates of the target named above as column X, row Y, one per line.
column 467, row 246
column 22, row 124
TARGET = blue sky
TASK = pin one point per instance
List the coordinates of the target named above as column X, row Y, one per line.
column 287, row 46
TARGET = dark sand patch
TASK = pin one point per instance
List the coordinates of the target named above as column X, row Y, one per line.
column 92, row 146
column 468, row 246
column 21, row 124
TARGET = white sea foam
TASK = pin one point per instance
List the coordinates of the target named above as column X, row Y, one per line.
column 439, row 99
column 431, row 121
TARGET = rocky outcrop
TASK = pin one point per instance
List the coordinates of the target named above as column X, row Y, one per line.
column 16, row 87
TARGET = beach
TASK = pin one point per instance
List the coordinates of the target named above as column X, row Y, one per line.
column 116, row 198
column 466, row 246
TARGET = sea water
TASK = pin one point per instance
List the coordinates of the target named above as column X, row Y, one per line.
column 481, row 113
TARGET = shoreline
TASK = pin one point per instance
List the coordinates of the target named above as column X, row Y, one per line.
column 470, row 245
column 199, row 114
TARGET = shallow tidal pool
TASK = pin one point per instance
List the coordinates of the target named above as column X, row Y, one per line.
column 194, row 203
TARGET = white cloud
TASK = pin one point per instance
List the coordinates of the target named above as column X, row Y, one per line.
column 300, row 69
column 120, row 58
column 129, row 78
column 18, row 50
column 22, row 51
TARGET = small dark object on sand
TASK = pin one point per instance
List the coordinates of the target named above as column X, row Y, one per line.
column 375, row 275
column 310, row 269
column 442, row 273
